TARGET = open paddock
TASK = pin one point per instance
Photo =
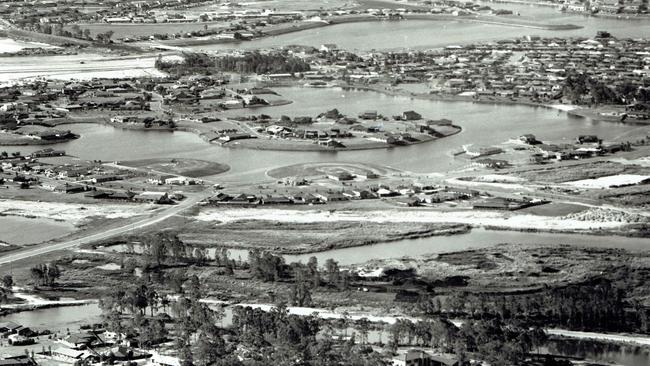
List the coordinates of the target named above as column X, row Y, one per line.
column 322, row 169
column 186, row 167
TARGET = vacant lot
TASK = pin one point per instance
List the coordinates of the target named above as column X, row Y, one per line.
column 587, row 170
column 323, row 169
column 186, row 167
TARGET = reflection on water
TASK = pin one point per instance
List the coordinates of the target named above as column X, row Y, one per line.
column 57, row 319
column 627, row 355
column 476, row 239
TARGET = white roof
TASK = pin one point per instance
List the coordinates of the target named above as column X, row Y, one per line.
column 68, row 352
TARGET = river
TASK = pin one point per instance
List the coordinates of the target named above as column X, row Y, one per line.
column 483, row 124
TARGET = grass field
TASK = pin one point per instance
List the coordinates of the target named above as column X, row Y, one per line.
column 322, row 169
column 186, row 167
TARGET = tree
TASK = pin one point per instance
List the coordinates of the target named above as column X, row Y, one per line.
column 7, row 281
column 332, row 271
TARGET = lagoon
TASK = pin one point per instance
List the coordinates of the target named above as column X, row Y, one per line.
column 483, row 124
column 425, row 34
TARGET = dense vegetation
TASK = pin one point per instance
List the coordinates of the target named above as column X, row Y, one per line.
column 194, row 63
column 582, row 89
column 259, row 63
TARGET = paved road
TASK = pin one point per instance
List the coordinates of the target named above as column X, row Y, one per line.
column 42, row 249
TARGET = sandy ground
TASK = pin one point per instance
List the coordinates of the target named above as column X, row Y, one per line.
column 610, row 181
column 8, row 45
column 82, row 66
column 511, row 220
column 328, row 314
column 622, row 338
column 33, row 301
column 74, row 213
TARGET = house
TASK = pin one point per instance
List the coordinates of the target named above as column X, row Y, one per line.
column 20, row 360
column 276, row 200
column 411, row 116
column 97, row 194
column 368, row 115
column 124, row 196
column 47, row 153
column 421, row 358
column 159, row 180
column 70, row 355
column 231, row 136
column 308, row 199
column 9, row 327
column 164, row 360
column 368, row 175
column 412, row 358
column 328, row 47
column 332, row 197
column 383, row 192
column 106, row 178
column 341, row 176
column 78, row 341
column 492, row 163
column 153, row 197
column 243, row 199
column 408, row 201
column 584, row 139
column 69, row 188
column 330, row 143
column 529, row 139
column 182, row 181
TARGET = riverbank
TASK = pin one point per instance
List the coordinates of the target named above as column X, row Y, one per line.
column 9, row 139
column 476, row 218
column 313, row 237
column 308, row 25
column 310, row 145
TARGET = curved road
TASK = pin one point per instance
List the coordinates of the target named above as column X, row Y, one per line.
column 156, row 217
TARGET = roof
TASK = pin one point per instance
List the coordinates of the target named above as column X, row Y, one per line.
column 68, row 352
column 10, row 325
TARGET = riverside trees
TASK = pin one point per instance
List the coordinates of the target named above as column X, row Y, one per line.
column 45, row 274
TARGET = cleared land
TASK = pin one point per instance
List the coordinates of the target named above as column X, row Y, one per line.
column 320, row 169
column 187, row 167
column 575, row 172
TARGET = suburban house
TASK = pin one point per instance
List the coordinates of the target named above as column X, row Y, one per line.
column 20, row 360
column 411, row 116
column 164, row 360
column 421, row 358
column 341, row 176
column 153, row 197
column 71, row 356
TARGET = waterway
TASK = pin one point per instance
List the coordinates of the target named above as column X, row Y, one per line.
column 475, row 239
column 483, row 124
